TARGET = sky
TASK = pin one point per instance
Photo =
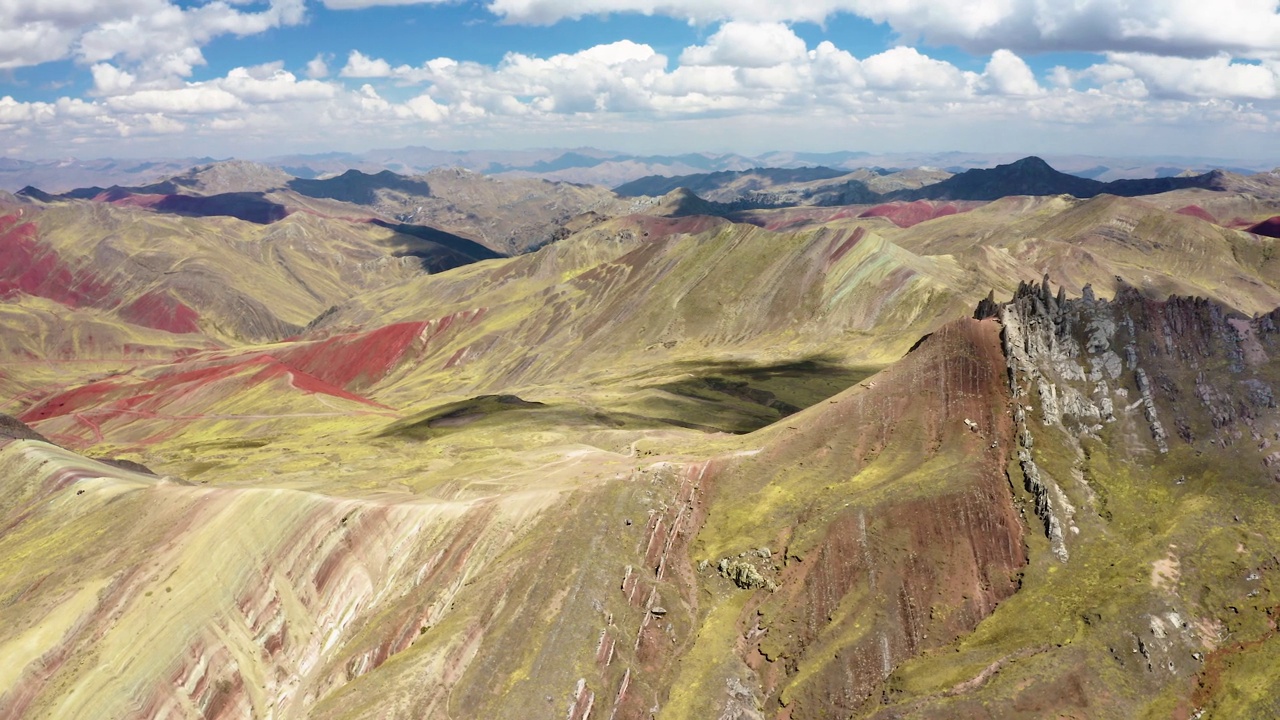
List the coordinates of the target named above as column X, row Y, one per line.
column 261, row 78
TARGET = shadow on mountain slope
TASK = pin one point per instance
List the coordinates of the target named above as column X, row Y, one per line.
column 778, row 390
column 721, row 397
column 248, row 206
column 437, row 250
column 251, row 207
column 360, row 188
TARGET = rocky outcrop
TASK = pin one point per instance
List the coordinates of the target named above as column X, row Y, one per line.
column 1081, row 364
column 1033, row 339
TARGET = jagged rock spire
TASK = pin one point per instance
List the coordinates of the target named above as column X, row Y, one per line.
column 987, row 307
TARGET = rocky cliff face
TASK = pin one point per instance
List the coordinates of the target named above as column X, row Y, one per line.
column 1145, row 434
column 1079, row 366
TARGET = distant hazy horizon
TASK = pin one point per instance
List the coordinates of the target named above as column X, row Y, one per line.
column 1255, row 162
column 153, row 78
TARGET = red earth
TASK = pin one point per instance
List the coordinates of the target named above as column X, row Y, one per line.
column 1199, row 212
column 904, row 215
column 33, row 268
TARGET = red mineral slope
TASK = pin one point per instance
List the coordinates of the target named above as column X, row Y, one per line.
column 907, row 214
column 908, row 540
column 1199, row 212
column 658, row 226
column 204, row 385
column 145, row 410
column 844, row 245
column 355, row 359
column 71, row 401
column 162, row 312
column 938, row 553
column 32, row 267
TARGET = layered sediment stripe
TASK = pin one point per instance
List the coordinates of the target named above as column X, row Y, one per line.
column 195, row 601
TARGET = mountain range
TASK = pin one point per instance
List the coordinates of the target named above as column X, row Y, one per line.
column 585, row 165
column 967, row 443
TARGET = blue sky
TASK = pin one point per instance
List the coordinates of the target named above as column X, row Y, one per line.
column 249, row 79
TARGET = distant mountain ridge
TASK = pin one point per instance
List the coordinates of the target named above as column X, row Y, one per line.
column 776, row 188
column 534, row 209
column 474, row 215
column 655, row 185
column 579, row 165
column 1034, row 176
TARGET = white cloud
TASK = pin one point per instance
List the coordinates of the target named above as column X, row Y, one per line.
column 271, row 83
column 371, row 102
column 318, row 67
column 159, row 38
column 778, row 78
column 193, row 99
column 743, row 44
column 906, row 69
column 160, row 124
column 613, row 77
column 1008, row 74
column 1061, row 77
column 1215, row 77
column 834, row 66
column 751, row 76
column 32, row 44
column 360, row 66
column 13, row 112
column 361, row 4
column 1174, row 27
column 696, row 80
column 757, row 68
column 424, row 108
column 110, row 80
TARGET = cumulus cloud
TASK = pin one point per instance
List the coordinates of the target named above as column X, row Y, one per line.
column 360, row 66
column 159, row 37
column 425, row 108
column 318, row 67
column 612, row 77
column 906, row 69
column 110, row 80
column 32, row 43
column 1009, row 74
column 762, row 67
column 1215, row 77
column 273, row 84
column 1171, row 27
column 193, row 99
column 834, row 66
column 748, row 75
column 752, row 45
column 361, row 4
column 14, row 113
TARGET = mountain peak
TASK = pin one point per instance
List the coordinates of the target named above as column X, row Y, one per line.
column 1031, row 162
column 35, row 193
column 1029, row 176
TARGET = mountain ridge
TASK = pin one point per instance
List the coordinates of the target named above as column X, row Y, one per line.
column 584, row 165
column 1033, row 176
